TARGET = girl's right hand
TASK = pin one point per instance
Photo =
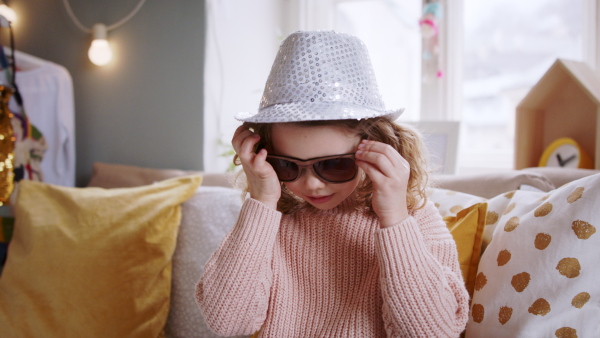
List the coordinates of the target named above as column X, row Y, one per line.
column 263, row 183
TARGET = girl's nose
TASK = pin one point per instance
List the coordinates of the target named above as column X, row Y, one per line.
column 311, row 181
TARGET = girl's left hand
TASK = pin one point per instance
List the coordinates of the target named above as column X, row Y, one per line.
column 389, row 172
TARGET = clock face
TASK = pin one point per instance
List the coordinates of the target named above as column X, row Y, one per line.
column 565, row 156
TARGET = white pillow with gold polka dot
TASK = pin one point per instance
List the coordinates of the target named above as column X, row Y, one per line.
column 497, row 206
column 540, row 275
column 450, row 202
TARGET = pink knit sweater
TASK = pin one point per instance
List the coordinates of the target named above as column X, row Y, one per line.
column 330, row 273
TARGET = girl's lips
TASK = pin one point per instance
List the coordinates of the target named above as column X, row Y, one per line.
column 319, row 199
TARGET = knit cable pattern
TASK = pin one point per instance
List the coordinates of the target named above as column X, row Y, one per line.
column 326, row 273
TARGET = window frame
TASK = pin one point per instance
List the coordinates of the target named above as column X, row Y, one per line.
column 228, row 93
column 441, row 100
column 447, row 94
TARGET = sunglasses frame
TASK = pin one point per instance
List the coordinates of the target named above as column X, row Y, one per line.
column 309, row 163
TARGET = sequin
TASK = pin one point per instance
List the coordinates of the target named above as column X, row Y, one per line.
column 342, row 85
column 7, row 147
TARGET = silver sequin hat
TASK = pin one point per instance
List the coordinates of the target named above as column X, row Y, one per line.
column 320, row 75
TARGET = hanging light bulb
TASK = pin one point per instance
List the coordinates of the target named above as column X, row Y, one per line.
column 100, row 52
column 8, row 13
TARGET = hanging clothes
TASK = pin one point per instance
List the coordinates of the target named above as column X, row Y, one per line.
column 47, row 92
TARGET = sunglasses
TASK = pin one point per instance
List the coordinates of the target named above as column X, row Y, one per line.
column 332, row 169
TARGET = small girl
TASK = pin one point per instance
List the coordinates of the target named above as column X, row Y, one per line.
column 337, row 237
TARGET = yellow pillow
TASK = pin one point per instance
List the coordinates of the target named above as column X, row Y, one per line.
column 467, row 230
column 91, row 262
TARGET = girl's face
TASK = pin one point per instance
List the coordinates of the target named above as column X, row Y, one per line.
column 316, row 141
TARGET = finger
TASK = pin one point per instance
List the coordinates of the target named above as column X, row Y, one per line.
column 260, row 167
column 379, row 161
column 239, row 138
column 370, row 149
column 372, row 172
column 246, row 150
column 259, row 160
column 261, row 155
column 382, row 148
column 239, row 130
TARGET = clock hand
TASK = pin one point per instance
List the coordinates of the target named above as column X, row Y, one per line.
column 562, row 162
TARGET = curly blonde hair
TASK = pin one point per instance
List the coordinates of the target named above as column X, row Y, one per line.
column 405, row 139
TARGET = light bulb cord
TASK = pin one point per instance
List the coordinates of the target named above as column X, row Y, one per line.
column 111, row 27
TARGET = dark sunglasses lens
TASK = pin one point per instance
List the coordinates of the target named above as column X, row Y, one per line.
column 285, row 170
column 336, row 169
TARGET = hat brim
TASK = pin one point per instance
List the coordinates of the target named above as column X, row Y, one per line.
column 299, row 112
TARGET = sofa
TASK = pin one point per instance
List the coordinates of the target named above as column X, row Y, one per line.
column 121, row 257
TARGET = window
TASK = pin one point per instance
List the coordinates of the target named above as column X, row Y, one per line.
column 490, row 53
column 493, row 52
column 390, row 29
column 508, row 45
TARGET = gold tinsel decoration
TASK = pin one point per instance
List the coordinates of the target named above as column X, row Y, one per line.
column 7, row 147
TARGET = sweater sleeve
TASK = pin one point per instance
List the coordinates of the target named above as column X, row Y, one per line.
column 233, row 292
column 422, row 287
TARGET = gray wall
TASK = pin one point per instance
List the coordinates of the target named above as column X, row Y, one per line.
column 145, row 108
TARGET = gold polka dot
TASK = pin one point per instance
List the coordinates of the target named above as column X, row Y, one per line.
column 520, row 281
column 491, row 217
column 575, row 195
column 480, row 281
column 566, row 332
column 509, row 208
column 583, row 230
column 504, row 314
column 544, row 198
column 511, row 224
column 455, row 209
column 543, row 210
column 542, row 241
column 503, row 257
column 540, row 307
column 478, row 312
column 580, row 300
column 509, row 194
column 437, row 205
column 569, row 267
